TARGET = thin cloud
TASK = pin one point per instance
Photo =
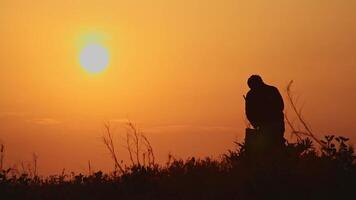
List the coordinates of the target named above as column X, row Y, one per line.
column 119, row 120
column 190, row 128
column 45, row 121
column 12, row 114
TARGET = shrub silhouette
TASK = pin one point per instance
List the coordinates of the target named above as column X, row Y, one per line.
column 303, row 173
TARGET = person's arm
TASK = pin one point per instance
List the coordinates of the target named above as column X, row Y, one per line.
column 250, row 111
column 279, row 100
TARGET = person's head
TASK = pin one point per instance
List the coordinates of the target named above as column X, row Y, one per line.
column 255, row 82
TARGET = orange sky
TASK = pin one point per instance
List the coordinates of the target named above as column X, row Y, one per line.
column 177, row 68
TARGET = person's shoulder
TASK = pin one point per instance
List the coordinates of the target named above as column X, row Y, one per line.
column 249, row 94
column 272, row 88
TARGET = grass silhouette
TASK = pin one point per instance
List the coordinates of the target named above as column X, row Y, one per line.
column 303, row 172
column 310, row 168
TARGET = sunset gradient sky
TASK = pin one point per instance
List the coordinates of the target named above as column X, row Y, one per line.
column 177, row 68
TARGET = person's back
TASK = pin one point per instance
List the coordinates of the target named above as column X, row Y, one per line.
column 264, row 110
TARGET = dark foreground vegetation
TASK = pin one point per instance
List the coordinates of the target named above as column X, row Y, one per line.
column 308, row 169
column 301, row 172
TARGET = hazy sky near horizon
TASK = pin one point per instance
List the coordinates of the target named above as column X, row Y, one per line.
column 177, row 68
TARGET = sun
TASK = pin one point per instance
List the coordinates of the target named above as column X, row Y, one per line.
column 94, row 58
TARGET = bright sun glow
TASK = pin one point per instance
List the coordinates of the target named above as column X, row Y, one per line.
column 94, row 58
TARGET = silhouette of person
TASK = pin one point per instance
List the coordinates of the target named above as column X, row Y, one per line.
column 264, row 109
